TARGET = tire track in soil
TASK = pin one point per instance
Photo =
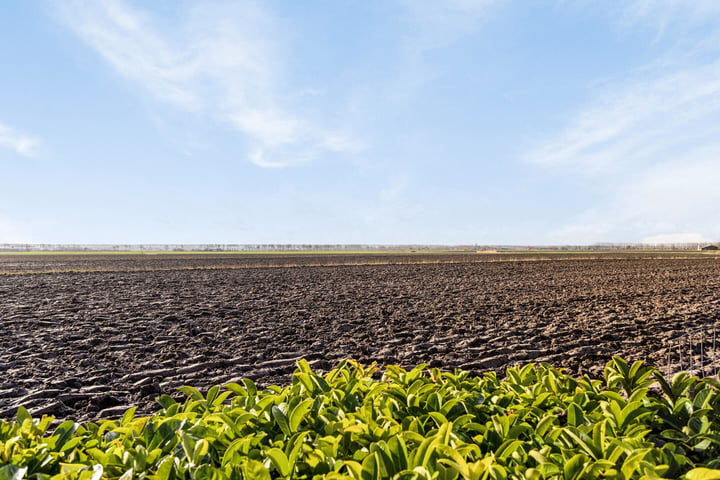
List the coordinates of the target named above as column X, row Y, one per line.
column 88, row 345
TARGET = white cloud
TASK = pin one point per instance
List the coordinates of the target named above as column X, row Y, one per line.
column 639, row 121
column 218, row 60
column 671, row 198
column 658, row 110
column 19, row 142
column 294, row 140
column 649, row 140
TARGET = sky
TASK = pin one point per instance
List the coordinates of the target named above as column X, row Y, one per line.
column 453, row 122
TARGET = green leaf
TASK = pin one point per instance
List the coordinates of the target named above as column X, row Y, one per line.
column 304, row 367
column 166, row 401
column 422, row 455
column 585, row 442
column 599, row 434
column 385, row 457
column 128, row 475
column 631, row 413
column 354, row 468
column 200, row 450
column 371, row 467
column 633, row 461
column 188, row 445
column 399, row 452
column 238, row 448
column 95, row 473
column 454, row 460
column 320, row 383
column 165, row 469
column 22, row 415
column 250, row 387
column 575, row 466
column 507, row 448
column 280, row 461
column 255, row 470
column 439, row 418
column 12, row 472
column 212, row 394
column 281, row 419
column 703, row 474
column 575, row 415
column 545, row 424
column 70, row 444
column 298, row 413
column 128, row 416
column 191, row 392
column 294, row 446
column 304, row 379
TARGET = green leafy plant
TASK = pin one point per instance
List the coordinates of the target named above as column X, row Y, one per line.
column 537, row 423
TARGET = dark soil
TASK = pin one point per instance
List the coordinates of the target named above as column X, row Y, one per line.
column 86, row 337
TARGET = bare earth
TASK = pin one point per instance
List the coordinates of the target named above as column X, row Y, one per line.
column 85, row 337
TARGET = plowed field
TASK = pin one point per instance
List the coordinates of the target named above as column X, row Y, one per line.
column 85, row 337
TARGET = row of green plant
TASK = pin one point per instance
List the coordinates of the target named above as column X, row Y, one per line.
column 354, row 423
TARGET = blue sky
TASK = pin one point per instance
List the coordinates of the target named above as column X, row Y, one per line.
column 360, row 121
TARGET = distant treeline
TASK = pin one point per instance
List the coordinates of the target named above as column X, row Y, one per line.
column 221, row 247
column 273, row 247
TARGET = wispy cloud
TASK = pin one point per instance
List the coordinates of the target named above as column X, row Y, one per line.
column 662, row 108
column 219, row 60
column 19, row 142
column 649, row 140
column 666, row 14
column 429, row 26
column 440, row 24
column 635, row 121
